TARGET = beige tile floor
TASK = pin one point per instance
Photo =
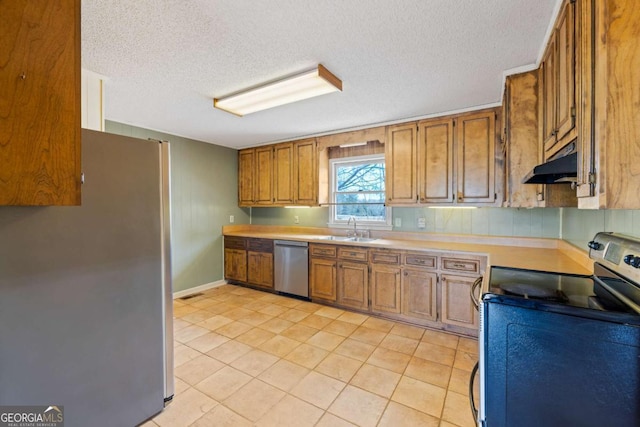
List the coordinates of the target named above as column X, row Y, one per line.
column 245, row 357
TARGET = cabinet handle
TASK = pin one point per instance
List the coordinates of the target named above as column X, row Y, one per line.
column 459, row 265
column 406, row 273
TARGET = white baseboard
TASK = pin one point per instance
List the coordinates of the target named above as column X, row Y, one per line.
column 201, row 288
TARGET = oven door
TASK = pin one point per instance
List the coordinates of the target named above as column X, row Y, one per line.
column 556, row 368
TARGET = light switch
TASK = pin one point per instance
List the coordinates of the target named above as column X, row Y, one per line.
column 422, row 223
column 296, row 219
column 231, row 219
column 397, row 222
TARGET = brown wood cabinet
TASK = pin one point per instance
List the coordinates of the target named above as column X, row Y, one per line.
column 278, row 175
column 305, row 173
column 40, row 91
column 263, row 176
column 419, row 296
column 249, row 261
column 322, row 272
column 260, row 262
column 246, row 170
column 457, row 309
column 609, row 117
column 524, row 150
column 448, row 160
column 385, row 288
column 475, row 146
column 283, row 174
column 353, row 284
column 235, row 264
column 435, row 161
column 400, row 164
column 558, row 86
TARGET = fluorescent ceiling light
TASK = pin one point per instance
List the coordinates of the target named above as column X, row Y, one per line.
column 353, row 144
column 309, row 84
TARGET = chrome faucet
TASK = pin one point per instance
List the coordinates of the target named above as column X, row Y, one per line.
column 355, row 230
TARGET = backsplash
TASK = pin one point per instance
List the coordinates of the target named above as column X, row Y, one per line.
column 580, row 225
column 482, row 221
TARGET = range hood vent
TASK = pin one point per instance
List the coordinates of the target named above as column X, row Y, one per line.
column 561, row 169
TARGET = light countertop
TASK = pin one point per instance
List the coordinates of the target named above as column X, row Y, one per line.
column 527, row 253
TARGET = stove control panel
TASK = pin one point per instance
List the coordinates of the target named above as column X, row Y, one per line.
column 618, row 252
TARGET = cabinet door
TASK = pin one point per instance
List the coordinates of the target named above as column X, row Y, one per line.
column 246, row 167
column 260, row 269
column 263, row 177
column 40, row 97
column 475, row 145
column 305, row 177
column 435, row 161
column 548, row 95
column 322, row 279
column 385, row 289
column 400, row 164
column 419, row 294
column 235, row 265
column 283, row 174
column 457, row 308
column 353, row 285
column 565, row 38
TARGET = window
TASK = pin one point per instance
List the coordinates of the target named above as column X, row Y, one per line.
column 357, row 190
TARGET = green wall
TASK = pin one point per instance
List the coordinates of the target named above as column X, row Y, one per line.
column 580, row 225
column 204, row 188
column 484, row 221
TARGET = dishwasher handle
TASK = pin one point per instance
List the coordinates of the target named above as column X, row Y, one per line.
column 291, row 243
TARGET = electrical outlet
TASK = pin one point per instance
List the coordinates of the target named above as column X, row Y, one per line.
column 422, row 223
column 397, row 222
column 296, row 219
column 231, row 219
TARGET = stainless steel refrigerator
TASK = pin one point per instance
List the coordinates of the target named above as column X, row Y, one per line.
column 85, row 291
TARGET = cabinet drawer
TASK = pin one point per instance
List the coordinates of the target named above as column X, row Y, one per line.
column 260, row 245
column 461, row 265
column 355, row 254
column 421, row 260
column 325, row 251
column 385, row 257
column 232, row 242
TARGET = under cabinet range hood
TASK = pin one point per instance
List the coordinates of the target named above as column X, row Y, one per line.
column 560, row 169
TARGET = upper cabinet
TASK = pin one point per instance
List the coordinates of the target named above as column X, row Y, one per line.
column 475, row 152
column 523, row 149
column 435, row 161
column 558, row 87
column 608, row 167
column 278, row 175
column 400, row 164
column 448, row 160
column 40, row 92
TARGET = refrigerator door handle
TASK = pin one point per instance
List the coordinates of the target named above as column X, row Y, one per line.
column 472, row 380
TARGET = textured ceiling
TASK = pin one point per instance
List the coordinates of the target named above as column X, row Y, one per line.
column 166, row 60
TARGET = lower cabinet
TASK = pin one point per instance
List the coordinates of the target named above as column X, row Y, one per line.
column 322, row 279
column 353, row 285
column 260, row 269
column 385, row 288
column 235, row 265
column 457, row 308
column 419, row 294
column 249, row 261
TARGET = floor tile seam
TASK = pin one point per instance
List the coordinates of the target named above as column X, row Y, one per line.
column 245, row 385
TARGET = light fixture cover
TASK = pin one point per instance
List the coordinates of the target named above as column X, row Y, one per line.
column 318, row 81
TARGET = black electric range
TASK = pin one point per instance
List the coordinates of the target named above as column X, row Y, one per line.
column 562, row 349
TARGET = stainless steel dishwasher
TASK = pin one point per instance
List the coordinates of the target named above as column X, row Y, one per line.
column 292, row 267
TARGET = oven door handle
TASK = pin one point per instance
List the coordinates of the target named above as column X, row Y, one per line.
column 472, row 380
column 474, row 299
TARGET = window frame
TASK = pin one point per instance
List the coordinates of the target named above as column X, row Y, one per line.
column 336, row 223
